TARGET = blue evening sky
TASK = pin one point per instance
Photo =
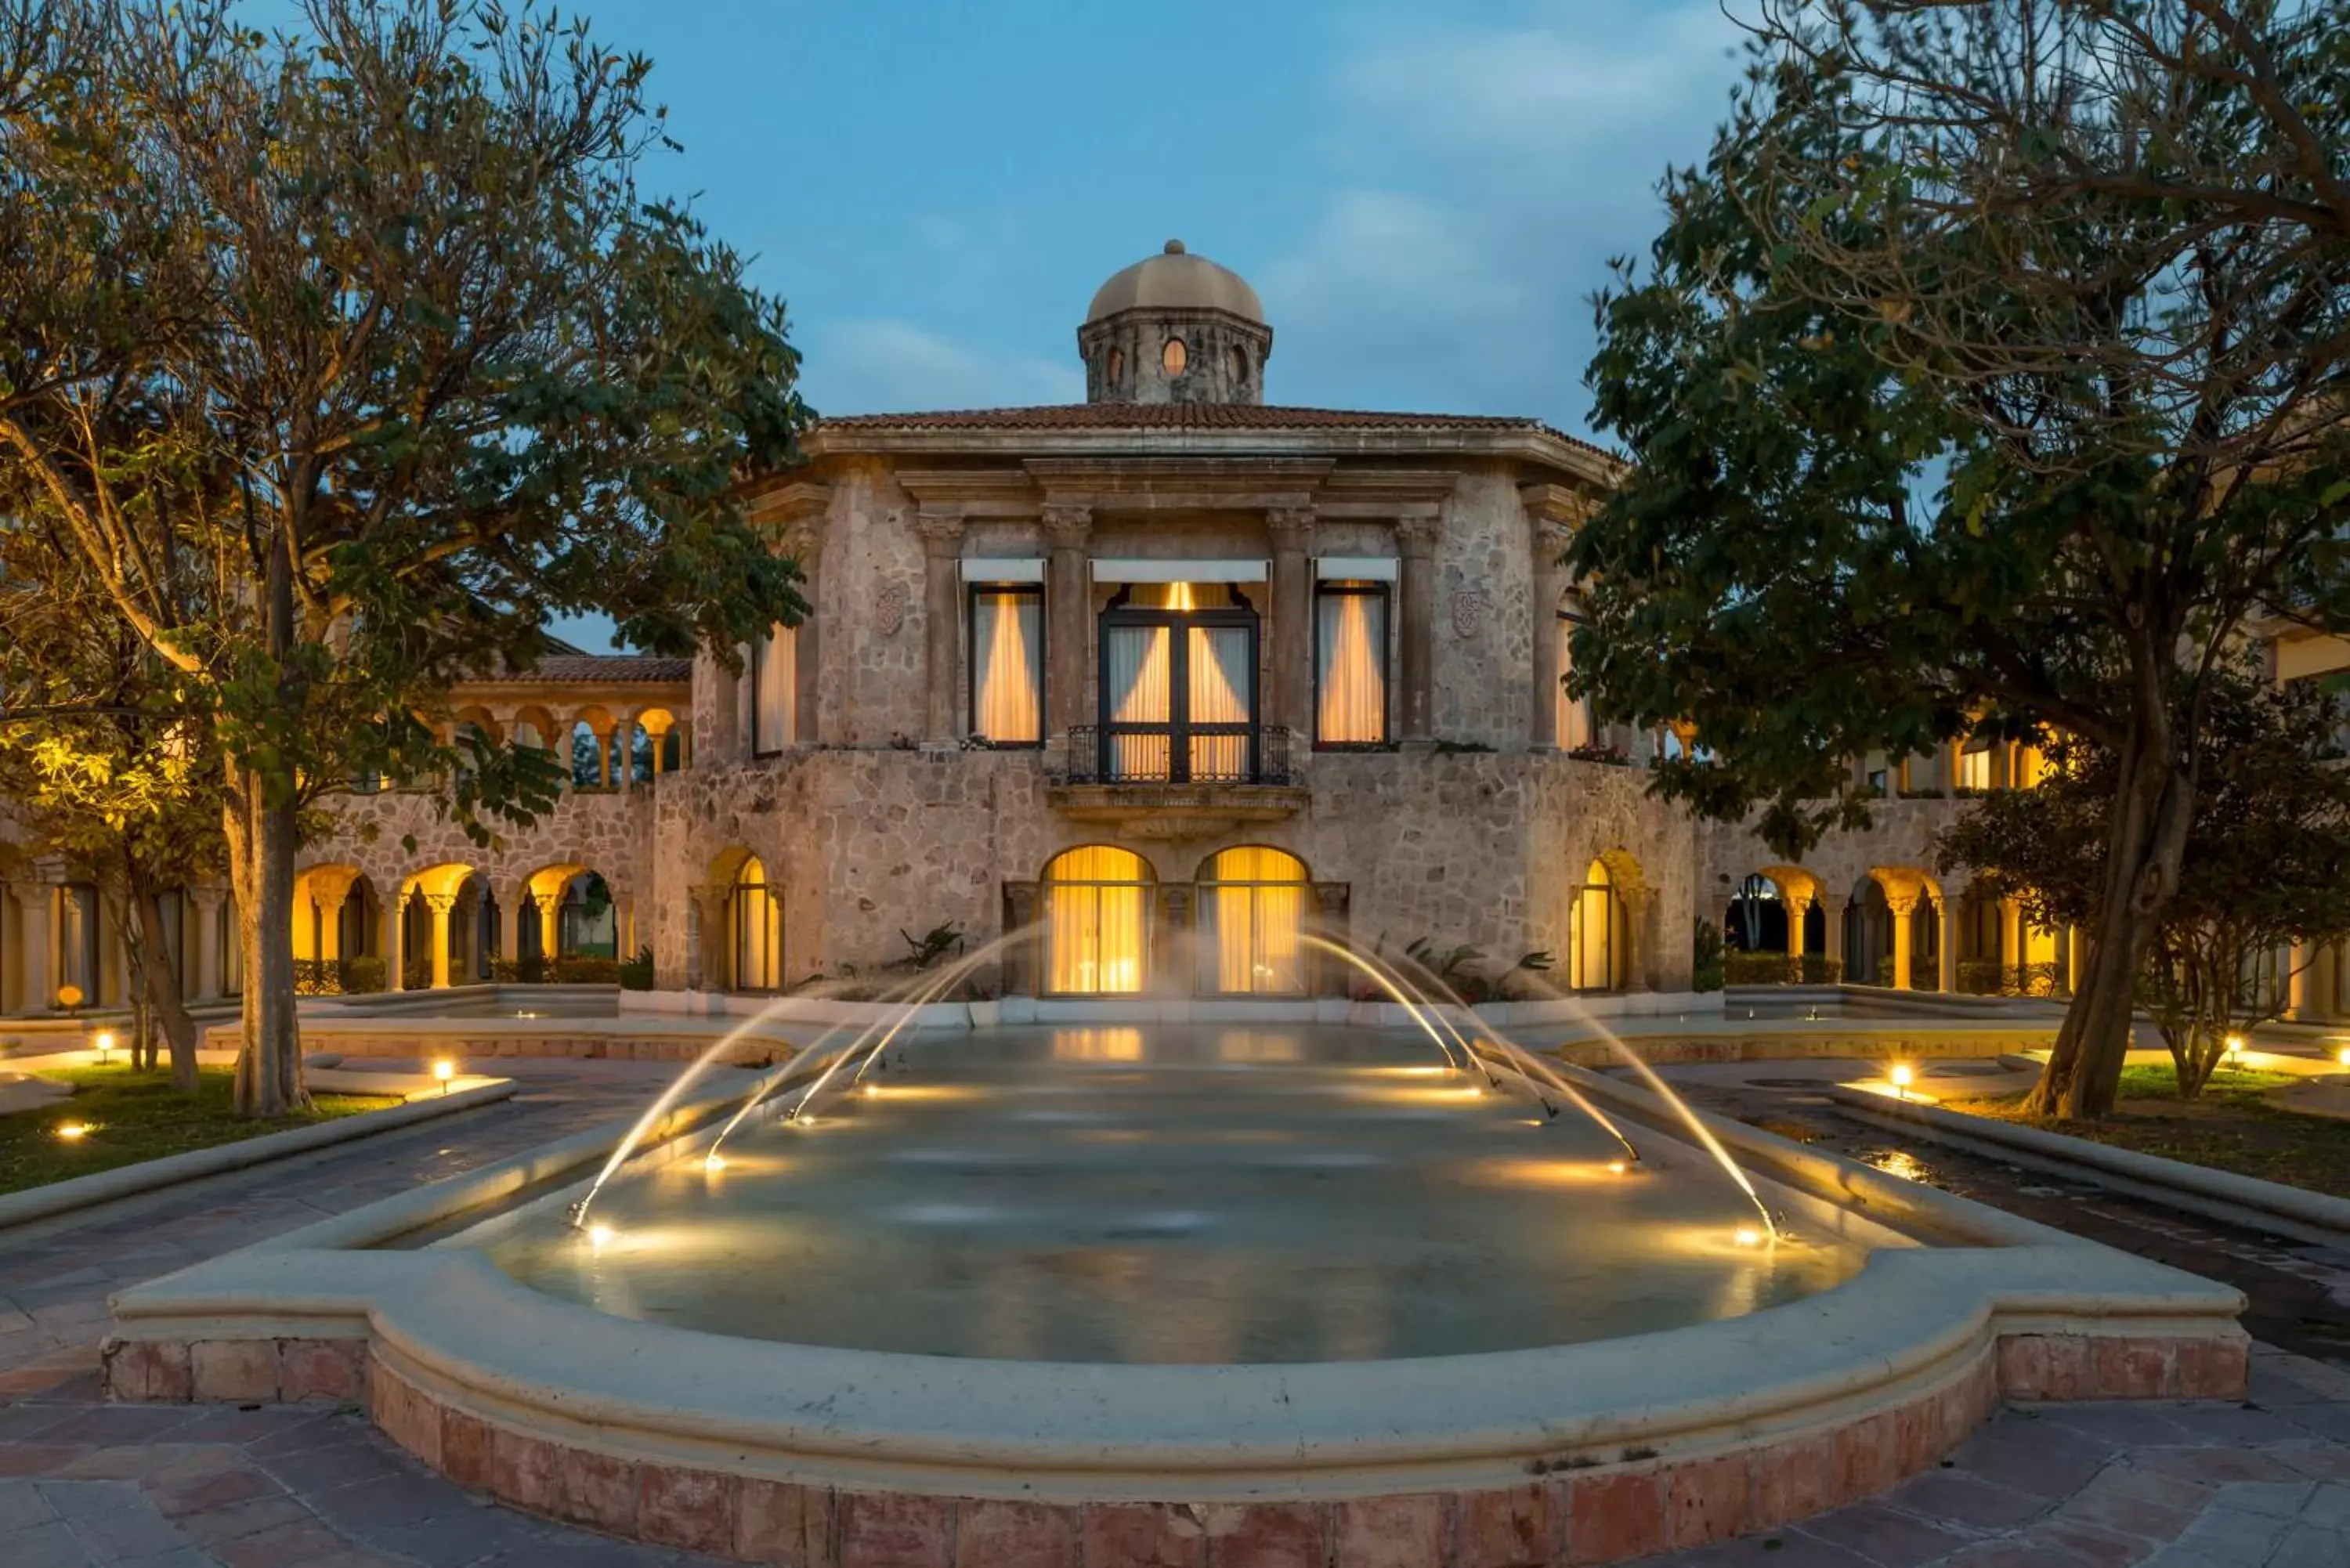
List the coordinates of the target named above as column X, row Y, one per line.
column 1424, row 195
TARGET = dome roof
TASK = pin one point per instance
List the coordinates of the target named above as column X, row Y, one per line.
column 1176, row 280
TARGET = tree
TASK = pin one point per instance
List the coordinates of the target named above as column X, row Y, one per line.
column 2268, row 866
column 339, row 360
column 116, row 786
column 1987, row 379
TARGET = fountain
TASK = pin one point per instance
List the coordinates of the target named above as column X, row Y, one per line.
column 1132, row 1283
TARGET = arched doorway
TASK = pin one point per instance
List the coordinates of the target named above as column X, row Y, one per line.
column 754, row 921
column 1598, row 941
column 1252, row 906
column 1096, row 921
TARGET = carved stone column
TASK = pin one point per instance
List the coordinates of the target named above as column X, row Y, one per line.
column 1900, row 907
column 1549, row 583
column 1948, row 909
column 208, row 902
column 1068, row 590
column 2010, row 941
column 941, row 620
column 1416, row 543
column 1020, row 958
column 1834, row 934
column 1291, row 530
column 1797, row 906
column 441, row 904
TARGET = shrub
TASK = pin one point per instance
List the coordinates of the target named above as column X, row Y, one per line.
column 1705, row 970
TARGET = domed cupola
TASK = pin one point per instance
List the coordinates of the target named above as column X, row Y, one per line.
column 1175, row 328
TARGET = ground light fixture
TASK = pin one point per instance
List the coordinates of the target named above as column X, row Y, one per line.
column 104, row 1040
column 446, row 1071
column 73, row 1132
column 2342, row 1055
column 1903, row 1076
column 599, row 1233
column 2236, row 1050
column 1747, row 1236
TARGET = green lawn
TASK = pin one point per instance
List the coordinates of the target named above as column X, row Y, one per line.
column 133, row 1117
column 2230, row 1127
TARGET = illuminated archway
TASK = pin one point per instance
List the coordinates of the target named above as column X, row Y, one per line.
column 755, row 924
column 1252, row 906
column 1600, row 939
column 1097, row 922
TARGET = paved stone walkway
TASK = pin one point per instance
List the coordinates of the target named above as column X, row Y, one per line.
column 2261, row 1485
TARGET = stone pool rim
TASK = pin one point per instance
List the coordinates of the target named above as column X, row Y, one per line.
column 557, row 1408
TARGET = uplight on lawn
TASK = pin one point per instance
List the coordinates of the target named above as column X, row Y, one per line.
column 2235, row 1051
column 73, row 1132
column 446, row 1071
column 104, row 1040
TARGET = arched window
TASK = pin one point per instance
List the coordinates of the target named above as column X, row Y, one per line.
column 1253, row 907
column 1097, row 922
column 758, row 922
column 1173, row 357
column 1595, row 942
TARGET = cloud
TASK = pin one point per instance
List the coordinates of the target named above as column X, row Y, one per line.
column 1483, row 179
column 879, row 366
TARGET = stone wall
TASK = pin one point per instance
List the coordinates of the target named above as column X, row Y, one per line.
column 394, row 835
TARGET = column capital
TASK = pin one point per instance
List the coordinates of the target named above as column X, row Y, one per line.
column 439, row 903
column 1550, row 541
column 207, row 899
column 942, row 533
column 1068, row 524
column 1904, row 902
column 1291, row 527
column 1416, row 536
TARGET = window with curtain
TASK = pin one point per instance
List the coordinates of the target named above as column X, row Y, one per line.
column 1007, row 665
column 1096, row 921
column 774, row 690
column 1575, row 727
column 1350, row 664
column 758, row 932
column 1178, row 684
column 1974, row 765
column 1251, row 911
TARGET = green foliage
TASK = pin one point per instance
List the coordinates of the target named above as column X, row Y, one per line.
column 934, row 944
column 1776, row 969
column 1707, row 969
column 637, row 974
column 2269, row 865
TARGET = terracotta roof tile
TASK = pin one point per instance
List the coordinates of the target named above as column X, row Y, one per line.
column 1179, row 417
column 591, row 669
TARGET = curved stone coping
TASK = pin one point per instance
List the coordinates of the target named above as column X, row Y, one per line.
column 2245, row 1193
column 452, row 1325
column 128, row 1180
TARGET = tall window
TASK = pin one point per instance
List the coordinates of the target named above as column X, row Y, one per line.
column 1595, row 941
column 1252, row 906
column 758, row 933
column 1350, row 664
column 774, row 690
column 1974, row 765
column 1575, row 727
column 1178, row 683
column 1007, row 665
column 1096, row 921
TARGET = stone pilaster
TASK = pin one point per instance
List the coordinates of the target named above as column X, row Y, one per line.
column 1291, row 530
column 942, row 621
column 1947, row 908
column 208, row 902
column 1550, row 585
column 1416, row 543
column 1068, row 590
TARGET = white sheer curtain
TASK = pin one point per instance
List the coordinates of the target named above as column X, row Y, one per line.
column 1007, row 679
column 1574, row 712
column 1219, row 675
column 774, row 678
column 1352, row 705
column 1142, row 692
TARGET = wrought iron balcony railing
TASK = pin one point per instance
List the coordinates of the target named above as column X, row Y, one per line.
column 1162, row 754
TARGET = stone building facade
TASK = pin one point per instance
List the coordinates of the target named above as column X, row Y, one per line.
column 1126, row 676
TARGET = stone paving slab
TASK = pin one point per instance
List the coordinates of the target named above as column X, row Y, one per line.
column 2178, row 1484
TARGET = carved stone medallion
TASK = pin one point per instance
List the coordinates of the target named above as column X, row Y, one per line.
column 890, row 610
column 1470, row 608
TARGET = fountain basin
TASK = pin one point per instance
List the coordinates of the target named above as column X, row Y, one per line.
column 1588, row 1451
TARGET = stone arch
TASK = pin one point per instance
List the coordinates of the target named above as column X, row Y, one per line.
column 335, row 912
column 665, row 745
column 1603, row 940
column 1096, row 901
column 1253, row 901
column 421, row 920
column 1893, row 928
column 534, row 725
column 742, row 923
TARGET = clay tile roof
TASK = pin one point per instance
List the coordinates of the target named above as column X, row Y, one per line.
column 1182, row 417
column 607, row 669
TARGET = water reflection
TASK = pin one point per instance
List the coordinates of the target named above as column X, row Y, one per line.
column 1172, row 1194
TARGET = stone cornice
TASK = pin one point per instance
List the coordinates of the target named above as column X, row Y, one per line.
column 971, row 492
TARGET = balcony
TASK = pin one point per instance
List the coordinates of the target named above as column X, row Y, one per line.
column 1169, row 783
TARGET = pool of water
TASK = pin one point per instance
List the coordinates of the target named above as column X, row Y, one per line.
column 1173, row 1194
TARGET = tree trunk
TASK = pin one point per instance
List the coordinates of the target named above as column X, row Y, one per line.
column 163, row 985
column 2143, row 849
column 262, row 849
